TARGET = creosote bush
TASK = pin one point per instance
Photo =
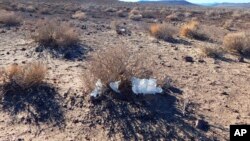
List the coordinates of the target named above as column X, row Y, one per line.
column 162, row 31
column 192, row 30
column 25, row 76
column 51, row 33
column 237, row 43
column 9, row 18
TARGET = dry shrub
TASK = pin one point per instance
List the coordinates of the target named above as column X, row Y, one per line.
column 192, row 30
column 121, row 13
column 228, row 24
column 79, row 15
column 25, row 76
column 114, row 64
column 172, row 17
column 135, row 15
column 148, row 14
column 9, row 18
column 30, row 8
column 51, row 33
column 189, row 28
column 135, row 11
column 45, row 10
column 238, row 43
column 212, row 52
column 162, row 31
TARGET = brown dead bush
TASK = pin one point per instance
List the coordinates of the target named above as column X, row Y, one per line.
column 51, row 33
column 192, row 30
column 9, row 18
column 162, row 31
column 212, row 52
column 237, row 43
column 113, row 64
column 25, row 76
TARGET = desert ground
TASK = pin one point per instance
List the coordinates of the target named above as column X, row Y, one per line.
column 209, row 89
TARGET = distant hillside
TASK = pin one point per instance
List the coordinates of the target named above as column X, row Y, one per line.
column 169, row 2
column 228, row 5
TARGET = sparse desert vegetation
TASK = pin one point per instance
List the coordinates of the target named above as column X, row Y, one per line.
column 163, row 31
column 191, row 30
column 52, row 33
column 237, row 43
column 79, row 15
column 9, row 18
column 212, row 52
column 111, row 70
column 135, row 15
column 25, row 76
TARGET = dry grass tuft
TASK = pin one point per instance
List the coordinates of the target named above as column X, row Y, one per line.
column 25, row 76
column 54, row 34
column 79, row 15
column 9, row 18
column 191, row 30
column 162, row 31
column 237, row 43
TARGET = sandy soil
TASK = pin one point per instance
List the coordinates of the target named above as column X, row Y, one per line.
column 214, row 90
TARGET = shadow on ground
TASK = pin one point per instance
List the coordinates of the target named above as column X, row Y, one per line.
column 151, row 117
column 39, row 104
column 71, row 53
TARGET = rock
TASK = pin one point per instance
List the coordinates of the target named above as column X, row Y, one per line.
column 224, row 93
column 20, row 139
column 75, row 121
column 189, row 59
column 23, row 49
column 201, row 61
column 83, row 27
column 202, row 125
